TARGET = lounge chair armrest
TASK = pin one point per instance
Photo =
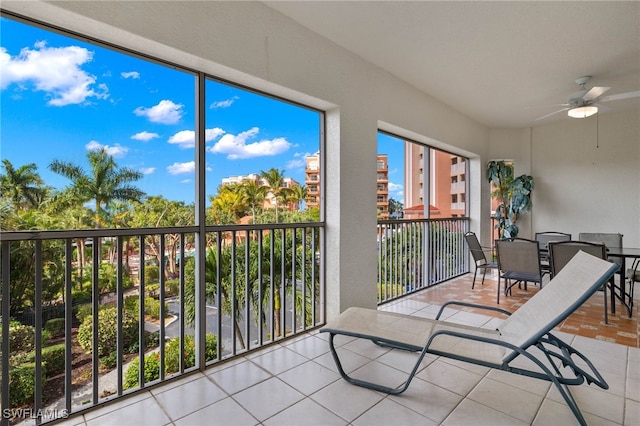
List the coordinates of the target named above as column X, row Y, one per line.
column 471, row 305
column 567, row 361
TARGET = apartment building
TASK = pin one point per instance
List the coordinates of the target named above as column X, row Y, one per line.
column 312, row 182
column 443, row 173
column 382, row 189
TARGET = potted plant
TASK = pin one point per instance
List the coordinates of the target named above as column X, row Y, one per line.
column 513, row 195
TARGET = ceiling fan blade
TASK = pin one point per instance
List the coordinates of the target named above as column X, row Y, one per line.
column 626, row 95
column 594, row 93
column 602, row 108
column 550, row 114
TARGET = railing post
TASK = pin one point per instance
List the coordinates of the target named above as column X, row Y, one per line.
column 201, row 222
column 6, row 293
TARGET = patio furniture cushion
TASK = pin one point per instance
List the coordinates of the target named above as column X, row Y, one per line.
column 525, row 333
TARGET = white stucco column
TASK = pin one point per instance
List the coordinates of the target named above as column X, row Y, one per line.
column 351, row 215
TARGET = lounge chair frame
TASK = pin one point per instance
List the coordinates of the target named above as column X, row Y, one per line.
column 490, row 348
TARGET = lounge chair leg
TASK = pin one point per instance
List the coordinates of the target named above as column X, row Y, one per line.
column 370, row 385
column 571, row 402
column 606, row 309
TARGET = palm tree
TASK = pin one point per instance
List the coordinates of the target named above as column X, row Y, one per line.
column 229, row 205
column 275, row 180
column 105, row 182
column 298, row 194
column 254, row 196
column 23, row 186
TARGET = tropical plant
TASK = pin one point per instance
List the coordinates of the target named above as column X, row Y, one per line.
column 23, row 186
column 298, row 194
column 513, row 195
column 22, row 270
column 157, row 211
column 229, row 205
column 269, row 279
column 254, row 196
column 275, row 185
column 103, row 184
column 395, row 208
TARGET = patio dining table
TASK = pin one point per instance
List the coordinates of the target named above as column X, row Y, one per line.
column 623, row 253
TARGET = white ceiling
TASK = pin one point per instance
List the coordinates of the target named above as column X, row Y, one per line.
column 502, row 63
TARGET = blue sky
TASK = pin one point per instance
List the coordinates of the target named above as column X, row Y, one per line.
column 61, row 97
column 394, row 148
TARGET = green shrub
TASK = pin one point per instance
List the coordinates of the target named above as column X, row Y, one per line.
column 81, row 296
column 131, row 305
column 107, row 331
column 151, row 306
column 55, row 326
column 173, row 287
column 83, row 311
column 46, row 335
column 52, row 357
column 152, row 290
column 152, row 340
column 151, row 370
column 109, row 361
column 22, row 383
column 171, row 359
column 21, row 337
column 151, row 274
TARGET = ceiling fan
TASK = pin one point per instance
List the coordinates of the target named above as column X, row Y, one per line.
column 585, row 102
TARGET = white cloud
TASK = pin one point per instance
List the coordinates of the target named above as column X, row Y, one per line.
column 145, row 136
column 57, row 71
column 130, row 74
column 116, row 151
column 236, row 146
column 166, row 112
column 296, row 164
column 147, row 170
column 224, row 104
column 299, row 161
column 394, row 187
column 180, row 168
column 187, row 138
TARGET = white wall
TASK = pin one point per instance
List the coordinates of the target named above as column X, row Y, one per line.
column 588, row 175
column 251, row 44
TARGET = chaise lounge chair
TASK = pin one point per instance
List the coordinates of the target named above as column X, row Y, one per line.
column 524, row 334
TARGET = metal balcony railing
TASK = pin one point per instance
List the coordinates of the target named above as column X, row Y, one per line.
column 416, row 254
column 164, row 302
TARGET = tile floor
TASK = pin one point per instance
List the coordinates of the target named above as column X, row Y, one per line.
column 587, row 321
column 296, row 383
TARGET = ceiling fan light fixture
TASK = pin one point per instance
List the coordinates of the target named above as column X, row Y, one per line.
column 583, row 111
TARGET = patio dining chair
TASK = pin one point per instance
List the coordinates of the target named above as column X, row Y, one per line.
column 525, row 334
column 479, row 258
column 633, row 277
column 543, row 239
column 610, row 240
column 561, row 252
column 518, row 262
